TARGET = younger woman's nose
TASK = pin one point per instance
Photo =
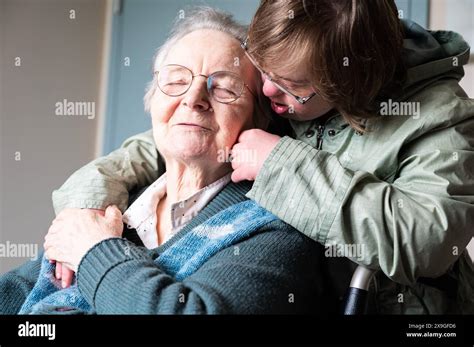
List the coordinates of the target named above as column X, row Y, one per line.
column 269, row 89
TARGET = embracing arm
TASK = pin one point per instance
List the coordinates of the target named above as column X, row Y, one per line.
column 416, row 226
column 260, row 278
column 108, row 180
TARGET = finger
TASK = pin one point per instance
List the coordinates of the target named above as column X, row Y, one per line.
column 54, row 228
column 47, row 255
column 246, row 135
column 236, row 147
column 46, row 246
column 237, row 176
column 67, row 276
column 235, row 165
column 112, row 213
column 59, row 270
column 236, row 162
column 48, row 239
column 51, row 253
column 234, row 155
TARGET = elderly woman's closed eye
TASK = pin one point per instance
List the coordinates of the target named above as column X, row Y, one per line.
column 209, row 241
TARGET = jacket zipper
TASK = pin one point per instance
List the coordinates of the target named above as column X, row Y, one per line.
column 319, row 138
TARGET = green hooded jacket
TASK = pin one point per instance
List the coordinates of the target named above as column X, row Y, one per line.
column 400, row 197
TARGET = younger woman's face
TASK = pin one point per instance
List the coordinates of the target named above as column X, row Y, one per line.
column 286, row 105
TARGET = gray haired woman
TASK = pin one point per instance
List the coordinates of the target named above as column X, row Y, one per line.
column 193, row 242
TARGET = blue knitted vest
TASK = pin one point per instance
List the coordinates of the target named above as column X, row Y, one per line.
column 180, row 260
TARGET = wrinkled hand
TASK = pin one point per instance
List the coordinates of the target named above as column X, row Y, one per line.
column 62, row 271
column 250, row 152
column 75, row 231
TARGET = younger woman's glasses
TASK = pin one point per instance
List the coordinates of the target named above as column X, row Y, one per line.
column 300, row 99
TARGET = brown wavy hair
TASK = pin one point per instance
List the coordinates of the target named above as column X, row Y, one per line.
column 351, row 49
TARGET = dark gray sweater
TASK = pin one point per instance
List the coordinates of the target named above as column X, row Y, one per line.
column 277, row 270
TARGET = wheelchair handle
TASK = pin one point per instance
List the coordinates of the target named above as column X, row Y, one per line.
column 357, row 294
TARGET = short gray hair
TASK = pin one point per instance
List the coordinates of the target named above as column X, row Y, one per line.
column 201, row 18
column 196, row 18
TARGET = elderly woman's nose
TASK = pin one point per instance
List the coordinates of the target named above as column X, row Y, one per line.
column 197, row 96
column 269, row 89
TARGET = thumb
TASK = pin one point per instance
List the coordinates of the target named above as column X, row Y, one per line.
column 113, row 218
column 237, row 176
column 112, row 212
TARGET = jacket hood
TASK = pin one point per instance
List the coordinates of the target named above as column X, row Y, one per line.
column 431, row 55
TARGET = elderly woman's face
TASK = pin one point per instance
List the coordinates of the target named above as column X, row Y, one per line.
column 193, row 126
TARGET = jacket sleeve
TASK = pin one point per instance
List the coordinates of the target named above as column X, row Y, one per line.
column 265, row 275
column 416, row 226
column 109, row 179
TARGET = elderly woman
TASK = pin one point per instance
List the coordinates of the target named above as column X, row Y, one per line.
column 208, row 249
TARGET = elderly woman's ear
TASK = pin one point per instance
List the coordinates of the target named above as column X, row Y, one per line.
column 261, row 113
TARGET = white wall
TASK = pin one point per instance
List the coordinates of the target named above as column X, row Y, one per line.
column 60, row 59
column 457, row 16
